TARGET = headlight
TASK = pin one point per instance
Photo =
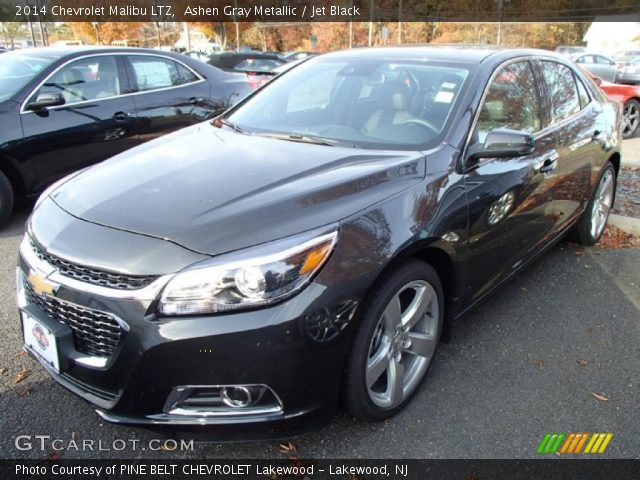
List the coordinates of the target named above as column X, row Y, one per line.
column 247, row 279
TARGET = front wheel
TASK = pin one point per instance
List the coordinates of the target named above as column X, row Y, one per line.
column 630, row 118
column 398, row 332
column 6, row 198
column 589, row 228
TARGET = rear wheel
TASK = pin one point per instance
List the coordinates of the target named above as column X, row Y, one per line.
column 630, row 118
column 6, row 198
column 594, row 219
column 398, row 332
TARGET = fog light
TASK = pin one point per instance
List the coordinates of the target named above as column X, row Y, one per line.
column 236, row 397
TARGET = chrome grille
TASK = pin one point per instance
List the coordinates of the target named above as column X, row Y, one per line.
column 92, row 275
column 94, row 333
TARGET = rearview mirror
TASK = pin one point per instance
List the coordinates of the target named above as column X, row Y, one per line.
column 502, row 143
column 44, row 100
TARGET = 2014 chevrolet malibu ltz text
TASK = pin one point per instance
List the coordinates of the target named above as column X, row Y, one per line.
column 312, row 245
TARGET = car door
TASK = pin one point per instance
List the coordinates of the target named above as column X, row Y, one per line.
column 95, row 122
column 168, row 94
column 573, row 117
column 510, row 199
column 606, row 68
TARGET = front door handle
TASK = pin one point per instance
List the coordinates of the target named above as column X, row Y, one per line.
column 548, row 165
column 120, row 116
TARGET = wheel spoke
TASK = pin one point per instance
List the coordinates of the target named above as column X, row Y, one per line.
column 422, row 345
column 395, row 381
column 377, row 365
column 418, row 307
column 393, row 314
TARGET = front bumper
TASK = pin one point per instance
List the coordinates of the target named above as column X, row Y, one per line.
column 296, row 348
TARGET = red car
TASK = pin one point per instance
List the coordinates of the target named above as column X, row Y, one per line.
column 629, row 96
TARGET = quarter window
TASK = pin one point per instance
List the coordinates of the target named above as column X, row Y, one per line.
column 582, row 93
column 152, row 73
column 512, row 101
column 85, row 79
column 562, row 90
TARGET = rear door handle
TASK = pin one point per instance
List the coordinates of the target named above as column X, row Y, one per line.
column 120, row 116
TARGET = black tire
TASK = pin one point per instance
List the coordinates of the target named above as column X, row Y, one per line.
column 6, row 198
column 356, row 397
column 631, row 107
column 582, row 232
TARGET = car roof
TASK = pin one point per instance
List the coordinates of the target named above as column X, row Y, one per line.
column 66, row 50
column 459, row 53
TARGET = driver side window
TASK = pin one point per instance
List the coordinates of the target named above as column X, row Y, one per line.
column 511, row 102
column 85, row 79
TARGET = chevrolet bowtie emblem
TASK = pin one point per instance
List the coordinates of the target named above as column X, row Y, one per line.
column 40, row 285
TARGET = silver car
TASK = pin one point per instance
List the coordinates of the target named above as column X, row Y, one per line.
column 597, row 64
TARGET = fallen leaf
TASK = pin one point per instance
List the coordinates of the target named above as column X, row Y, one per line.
column 613, row 237
column 602, row 398
column 582, row 363
column 22, row 374
column 287, row 448
column 2, row 370
column 539, row 363
column 599, row 364
column 578, row 253
column 21, row 353
column 52, row 456
column 25, row 392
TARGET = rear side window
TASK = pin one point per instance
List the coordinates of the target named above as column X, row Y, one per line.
column 562, row 90
column 152, row 73
column 512, row 101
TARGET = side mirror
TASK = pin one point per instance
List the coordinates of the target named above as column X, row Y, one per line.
column 502, row 143
column 44, row 100
column 598, row 80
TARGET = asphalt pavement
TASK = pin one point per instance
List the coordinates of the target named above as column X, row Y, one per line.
column 526, row 362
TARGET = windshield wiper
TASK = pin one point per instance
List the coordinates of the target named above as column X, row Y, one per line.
column 219, row 122
column 296, row 137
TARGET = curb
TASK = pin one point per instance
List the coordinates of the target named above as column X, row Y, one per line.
column 627, row 224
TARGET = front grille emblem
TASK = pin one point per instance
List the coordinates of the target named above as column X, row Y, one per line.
column 40, row 285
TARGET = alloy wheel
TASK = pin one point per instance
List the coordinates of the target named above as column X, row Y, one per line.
column 602, row 204
column 630, row 118
column 403, row 344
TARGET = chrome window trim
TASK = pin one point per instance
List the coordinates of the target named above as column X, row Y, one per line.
column 23, row 110
column 148, row 293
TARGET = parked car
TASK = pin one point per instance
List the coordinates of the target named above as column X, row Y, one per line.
column 599, row 65
column 294, row 56
column 64, row 108
column 245, row 61
column 629, row 97
column 316, row 241
column 202, row 56
column 629, row 71
column 569, row 50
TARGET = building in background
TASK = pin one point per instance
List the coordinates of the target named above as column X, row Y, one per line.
column 611, row 34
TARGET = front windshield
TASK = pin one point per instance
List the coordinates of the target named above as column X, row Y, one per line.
column 364, row 103
column 19, row 68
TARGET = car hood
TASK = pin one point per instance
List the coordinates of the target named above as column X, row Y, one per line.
column 214, row 191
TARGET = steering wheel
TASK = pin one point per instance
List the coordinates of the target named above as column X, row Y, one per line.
column 422, row 123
